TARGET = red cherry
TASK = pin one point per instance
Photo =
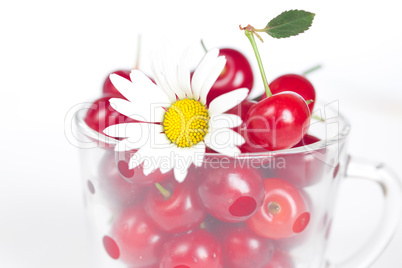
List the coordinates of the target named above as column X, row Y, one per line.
column 210, row 151
column 101, row 115
column 231, row 193
column 283, row 213
column 243, row 248
column 111, row 247
column 249, row 146
column 136, row 175
column 198, row 249
column 299, row 239
column 136, row 238
column 307, row 140
column 295, row 83
column 280, row 260
column 303, row 169
column 242, row 110
column 117, row 191
column 181, row 212
column 236, row 74
column 278, row 122
column 110, row 89
column 216, row 226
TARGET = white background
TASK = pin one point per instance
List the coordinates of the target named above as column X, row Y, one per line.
column 55, row 54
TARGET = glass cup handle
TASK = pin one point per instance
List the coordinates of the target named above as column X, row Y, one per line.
column 392, row 194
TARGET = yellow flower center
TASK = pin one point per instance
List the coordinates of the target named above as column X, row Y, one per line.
column 186, row 122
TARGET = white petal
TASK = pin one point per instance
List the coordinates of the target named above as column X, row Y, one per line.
column 183, row 158
column 184, row 73
column 126, row 145
column 167, row 161
column 151, row 157
column 180, row 174
column 148, row 168
column 170, row 69
column 160, row 76
column 227, row 101
column 154, row 154
column 165, row 169
column 228, row 151
column 140, row 110
column 160, row 141
column 224, row 141
column 146, row 90
column 125, row 130
column 138, row 157
column 145, row 98
column 123, row 85
column 153, row 161
column 225, row 137
column 166, row 69
column 138, row 134
column 199, row 149
column 225, row 121
column 212, row 76
column 202, row 72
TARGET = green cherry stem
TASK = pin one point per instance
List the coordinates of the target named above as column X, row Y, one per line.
column 203, row 45
column 166, row 194
column 249, row 31
column 257, row 99
column 316, row 117
column 311, row 70
column 202, row 225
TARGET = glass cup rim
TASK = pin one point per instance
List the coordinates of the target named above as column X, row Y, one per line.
column 321, row 144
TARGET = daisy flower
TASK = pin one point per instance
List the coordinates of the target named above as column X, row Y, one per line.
column 174, row 123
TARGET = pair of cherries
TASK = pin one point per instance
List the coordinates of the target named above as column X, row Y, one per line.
column 279, row 121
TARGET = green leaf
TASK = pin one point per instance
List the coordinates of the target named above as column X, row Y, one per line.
column 289, row 23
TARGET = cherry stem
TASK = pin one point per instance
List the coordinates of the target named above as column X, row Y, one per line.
column 137, row 63
column 258, row 98
column 311, row 70
column 202, row 225
column 317, row 117
column 250, row 31
column 166, row 194
column 274, row 208
column 203, row 45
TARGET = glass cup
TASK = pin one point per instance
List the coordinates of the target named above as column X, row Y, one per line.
column 270, row 209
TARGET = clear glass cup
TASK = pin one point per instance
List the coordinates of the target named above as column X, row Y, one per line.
column 271, row 209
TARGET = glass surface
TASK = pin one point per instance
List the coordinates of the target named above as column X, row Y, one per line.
column 259, row 210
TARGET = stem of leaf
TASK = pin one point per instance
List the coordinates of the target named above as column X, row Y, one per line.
column 166, row 194
column 250, row 36
column 262, row 30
